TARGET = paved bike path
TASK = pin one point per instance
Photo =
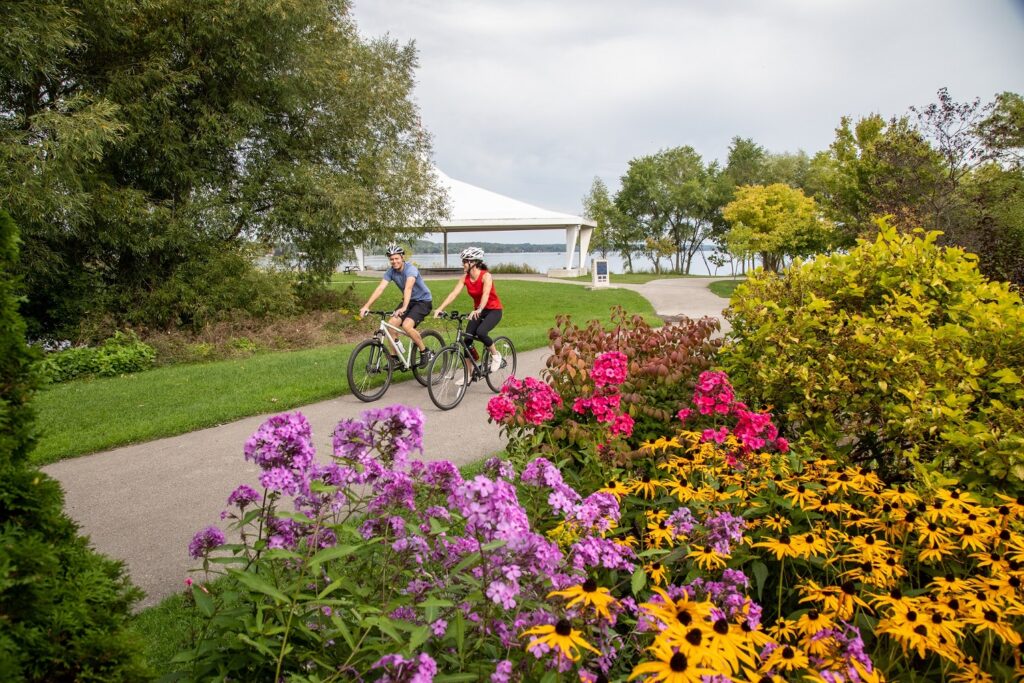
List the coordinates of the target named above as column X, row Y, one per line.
column 142, row 503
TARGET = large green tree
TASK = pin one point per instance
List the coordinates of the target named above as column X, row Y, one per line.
column 673, row 195
column 143, row 144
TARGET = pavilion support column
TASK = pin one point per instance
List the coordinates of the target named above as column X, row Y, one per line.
column 586, row 232
column 444, row 259
column 571, row 233
column 360, row 258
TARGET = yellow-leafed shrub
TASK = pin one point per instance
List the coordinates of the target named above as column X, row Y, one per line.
column 899, row 352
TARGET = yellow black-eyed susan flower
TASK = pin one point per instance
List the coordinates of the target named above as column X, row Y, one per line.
column 588, row 594
column 560, row 636
column 669, row 666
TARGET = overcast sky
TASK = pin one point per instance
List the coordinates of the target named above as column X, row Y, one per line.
column 533, row 99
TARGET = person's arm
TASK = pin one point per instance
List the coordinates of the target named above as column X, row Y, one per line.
column 373, row 297
column 448, row 299
column 483, row 296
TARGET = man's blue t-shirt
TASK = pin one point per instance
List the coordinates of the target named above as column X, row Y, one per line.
column 399, row 277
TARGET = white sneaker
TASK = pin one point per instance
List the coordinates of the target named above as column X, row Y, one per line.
column 496, row 362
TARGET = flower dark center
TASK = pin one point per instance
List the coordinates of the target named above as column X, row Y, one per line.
column 694, row 636
column 589, row 586
column 849, row 588
column 788, row 653
column 990, row 615
column 563, row 627
column 683, row 617
column 813, row 615
column 920, row 630
column 911, row 615
column 678, row 662
column 721, row 627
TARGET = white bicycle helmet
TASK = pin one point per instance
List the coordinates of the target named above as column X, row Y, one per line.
column 472, row 254
column 393, row 249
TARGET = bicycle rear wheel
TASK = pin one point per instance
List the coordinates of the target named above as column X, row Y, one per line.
column 507, row 366
column 446, row 371
column 369, row 371
column 433, row 342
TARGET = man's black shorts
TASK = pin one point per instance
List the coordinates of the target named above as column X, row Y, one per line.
column 418, row 310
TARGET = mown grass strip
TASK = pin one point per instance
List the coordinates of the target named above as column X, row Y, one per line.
column 92, row 415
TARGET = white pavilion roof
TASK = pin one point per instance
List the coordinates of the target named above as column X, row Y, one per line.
column 476, row 209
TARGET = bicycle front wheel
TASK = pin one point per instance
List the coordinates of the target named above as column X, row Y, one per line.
column 369, row 371
column 504, row 368
column 448, row 378
column 433, row 342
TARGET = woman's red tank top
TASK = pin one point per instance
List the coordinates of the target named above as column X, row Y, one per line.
column 476, row 290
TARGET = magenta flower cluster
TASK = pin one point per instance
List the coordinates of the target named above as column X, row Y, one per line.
column 607, row 372
column 714, row 396
column 609, row 369
column 531, row 399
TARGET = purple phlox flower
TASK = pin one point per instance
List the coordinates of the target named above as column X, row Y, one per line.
column 283, row 533
column 681, row 522
column 444, row 475
column 397, row 431
column 499, row 469
column 414, row 545
column 439, row 627
column 284, row 440
column 243, row 496
column 204, row 541
column 598, row 512
column 593, row 551
column 393, row 489
column 502, row 672
column 724, row 529
column 503, row 593
column 279, row 480
column 540, row 472
column 405, row 613
column 490, row 508
column 398, row 669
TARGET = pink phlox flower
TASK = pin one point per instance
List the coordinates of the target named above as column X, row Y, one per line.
column 609, row 369
column 717, row 435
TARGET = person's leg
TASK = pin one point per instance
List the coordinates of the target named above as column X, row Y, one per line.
column 413, row 317
column 489, row 319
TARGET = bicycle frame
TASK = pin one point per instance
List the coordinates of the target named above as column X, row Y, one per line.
column 475, row 363
column 404, row 354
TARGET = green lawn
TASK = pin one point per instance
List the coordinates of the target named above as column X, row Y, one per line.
column 97, row 414
column 724, row 288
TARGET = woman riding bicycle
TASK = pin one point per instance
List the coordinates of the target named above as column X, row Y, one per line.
column 487, row 308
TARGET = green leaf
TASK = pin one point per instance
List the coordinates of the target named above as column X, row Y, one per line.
column 335, row 552
column 760, row 570
column 638, row 581
column 203, row 600
column 257, row 583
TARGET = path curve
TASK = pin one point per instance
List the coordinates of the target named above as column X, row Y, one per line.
column 142, row 503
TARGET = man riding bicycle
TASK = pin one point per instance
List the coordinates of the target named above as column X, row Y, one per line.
column 417, row 301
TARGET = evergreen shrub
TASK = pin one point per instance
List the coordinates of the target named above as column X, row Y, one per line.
column 899, row 353
column 63, row 607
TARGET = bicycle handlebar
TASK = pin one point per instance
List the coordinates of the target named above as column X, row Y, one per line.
column 453, row 315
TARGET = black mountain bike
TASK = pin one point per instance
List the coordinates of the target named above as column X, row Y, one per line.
column 375, row 360
column 454, row 367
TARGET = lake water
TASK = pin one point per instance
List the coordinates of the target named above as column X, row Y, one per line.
column 544, row 261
